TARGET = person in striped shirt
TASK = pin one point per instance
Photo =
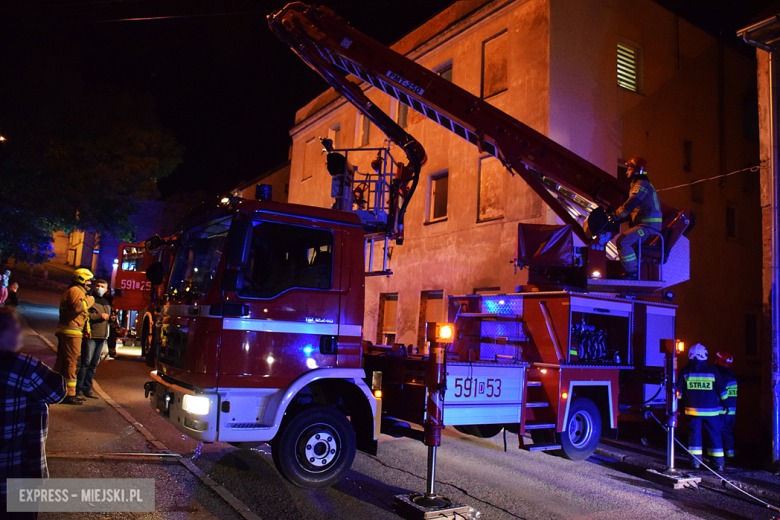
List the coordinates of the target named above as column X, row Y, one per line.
column 643, row 210
column 702, row 389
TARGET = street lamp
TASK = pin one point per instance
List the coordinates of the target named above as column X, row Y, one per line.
column 2, row 138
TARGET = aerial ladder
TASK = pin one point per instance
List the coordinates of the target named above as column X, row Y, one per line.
column 580, row 193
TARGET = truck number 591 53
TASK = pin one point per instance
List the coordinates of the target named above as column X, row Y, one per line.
column 473, row 387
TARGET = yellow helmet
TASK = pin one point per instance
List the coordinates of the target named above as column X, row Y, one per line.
column 82, row 275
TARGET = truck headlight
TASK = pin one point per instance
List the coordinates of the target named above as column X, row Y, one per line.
column 195, row 404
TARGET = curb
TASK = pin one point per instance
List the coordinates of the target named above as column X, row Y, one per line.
column 708, row 481
column 243, row 510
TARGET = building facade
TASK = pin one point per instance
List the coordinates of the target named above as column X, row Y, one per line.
column 608, row 79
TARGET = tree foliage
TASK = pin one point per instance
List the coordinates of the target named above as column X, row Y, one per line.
column 75, row 157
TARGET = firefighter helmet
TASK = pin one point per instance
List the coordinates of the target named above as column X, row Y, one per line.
column 638, row 164
column 724, row 358
column 698, row 351
column 82, row 275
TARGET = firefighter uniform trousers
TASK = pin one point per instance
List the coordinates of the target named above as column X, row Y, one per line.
column 626, row 242
column 68, row 358
column 711, row 425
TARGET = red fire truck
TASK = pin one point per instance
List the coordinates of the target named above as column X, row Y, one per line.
column 132, row 292
column 259, row 337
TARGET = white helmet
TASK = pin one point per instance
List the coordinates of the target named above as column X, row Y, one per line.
column 698, row 351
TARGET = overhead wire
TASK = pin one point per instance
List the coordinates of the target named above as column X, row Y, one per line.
column 715, row 177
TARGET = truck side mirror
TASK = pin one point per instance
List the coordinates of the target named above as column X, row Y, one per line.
column 155, row 273
column 153, row 244
column 239, row 243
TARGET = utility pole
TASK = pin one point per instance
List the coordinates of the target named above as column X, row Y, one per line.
column 765, row 36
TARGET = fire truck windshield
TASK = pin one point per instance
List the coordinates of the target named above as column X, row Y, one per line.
column 197, row 260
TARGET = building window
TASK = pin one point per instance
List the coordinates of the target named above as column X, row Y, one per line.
column 386, row 318
column 487, row 290
column 490, row 201
column 312, row 159
column 363, row 130
column 438, row 192
column 334, row 134
column 445, row 71
column 401, row 113
column 432, row 308
column 494, row 68
column 628, row 67
column 731, row 222
column 751, row 335
column 688, row 156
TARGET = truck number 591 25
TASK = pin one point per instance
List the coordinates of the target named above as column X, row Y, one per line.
column 473, row 387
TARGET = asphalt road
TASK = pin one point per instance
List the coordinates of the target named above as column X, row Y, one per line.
column 501, row 485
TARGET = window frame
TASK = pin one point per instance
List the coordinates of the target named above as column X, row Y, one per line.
column 429, row 202
column 362, row 130
column 332, row 287
column 482, row 94
column 736, row 222
column 638, row 66
column 443, row 67
column 334, row 134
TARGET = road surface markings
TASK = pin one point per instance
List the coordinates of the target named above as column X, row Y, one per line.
column 241, row 508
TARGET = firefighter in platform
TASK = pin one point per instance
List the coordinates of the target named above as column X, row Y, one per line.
column 72, row 327
column 644, row 212
column 702, row 390
column 723, row 361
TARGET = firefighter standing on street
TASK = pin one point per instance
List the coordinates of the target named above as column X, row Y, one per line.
column 723, row 361
column 72, row 327
column 644, row 210
column 702, row 391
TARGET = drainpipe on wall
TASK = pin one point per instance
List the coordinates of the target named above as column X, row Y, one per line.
column 765, row 35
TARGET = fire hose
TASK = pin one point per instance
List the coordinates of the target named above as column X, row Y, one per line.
column 721, row 477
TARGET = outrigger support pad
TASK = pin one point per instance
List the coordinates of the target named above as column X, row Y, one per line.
column 422, row 506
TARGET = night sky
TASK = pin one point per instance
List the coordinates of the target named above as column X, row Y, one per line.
column 223, row 84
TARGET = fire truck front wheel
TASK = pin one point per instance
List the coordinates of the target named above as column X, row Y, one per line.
column 583, row 430
column 315, row 447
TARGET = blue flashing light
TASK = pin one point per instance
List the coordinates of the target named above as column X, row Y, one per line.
column 308, row 349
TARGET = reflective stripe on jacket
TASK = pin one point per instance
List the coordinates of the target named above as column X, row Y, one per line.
column 729, row 402
column 702, row 389
column 74, row 311
column 642, row 205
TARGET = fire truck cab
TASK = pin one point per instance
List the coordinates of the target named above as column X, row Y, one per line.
column 260, row 335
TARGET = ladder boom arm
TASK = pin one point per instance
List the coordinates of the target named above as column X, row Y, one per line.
column 335, row 50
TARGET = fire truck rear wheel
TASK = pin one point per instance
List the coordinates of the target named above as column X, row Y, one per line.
column 583, row 430
column 315, row 448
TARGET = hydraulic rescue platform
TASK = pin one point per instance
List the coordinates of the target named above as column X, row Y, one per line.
column 258, row 337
